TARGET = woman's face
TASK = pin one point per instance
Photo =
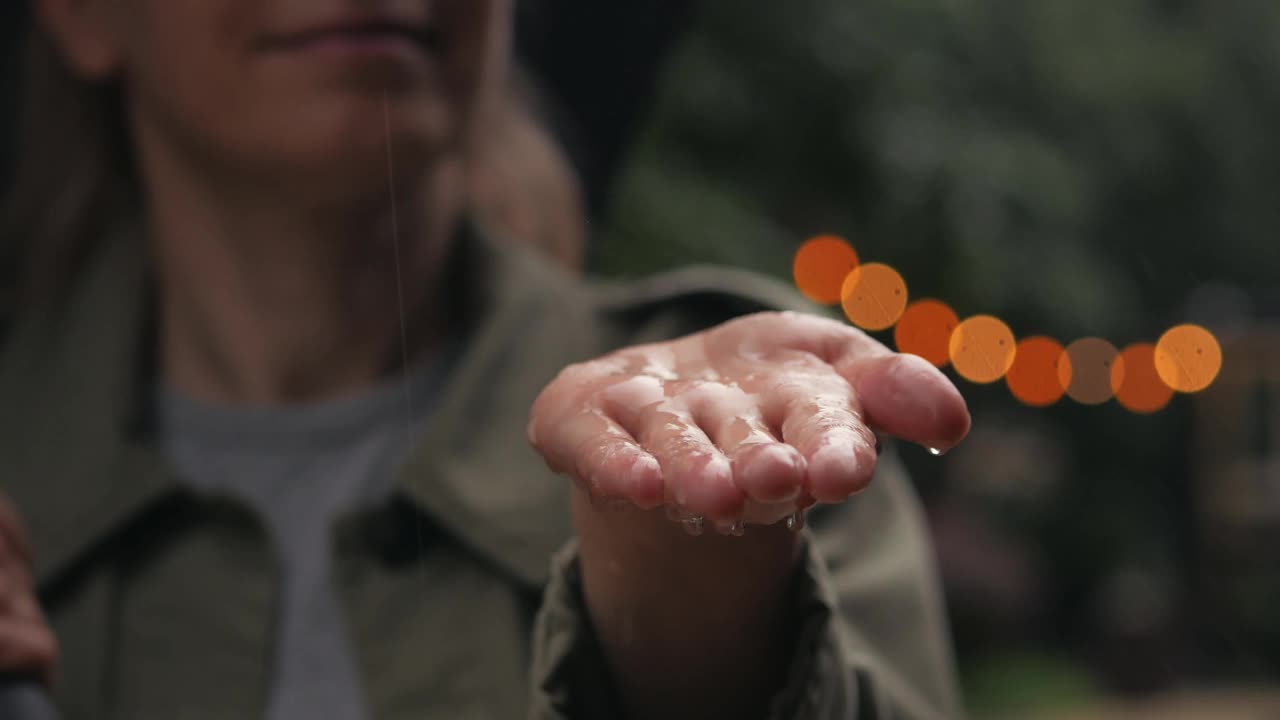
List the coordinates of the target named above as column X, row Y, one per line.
column 293, row 88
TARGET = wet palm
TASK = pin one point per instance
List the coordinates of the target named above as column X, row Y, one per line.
column 743, row 423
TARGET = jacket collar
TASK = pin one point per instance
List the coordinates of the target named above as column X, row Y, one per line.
column 474, row 471
column 70, row 374
column 74, row 381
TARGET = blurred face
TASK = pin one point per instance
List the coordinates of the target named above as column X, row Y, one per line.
column 295, row 89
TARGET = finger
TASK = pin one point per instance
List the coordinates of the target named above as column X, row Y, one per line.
column 906, row 396
column 576, row 434
column 13, row 532
column 698, row 476
column 765, row 469
column 902, row 395
column 823, row 422
column 602, row 455
column 822, row 337
column 769, row 472
column 27, row 647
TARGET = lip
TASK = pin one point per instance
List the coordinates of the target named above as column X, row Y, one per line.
column 361, row 37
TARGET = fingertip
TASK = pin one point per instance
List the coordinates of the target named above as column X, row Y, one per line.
column 954, row 423
column 769, row 472
column 838, row 471
column 709, row 489
column 908, row 397
column 645, row 482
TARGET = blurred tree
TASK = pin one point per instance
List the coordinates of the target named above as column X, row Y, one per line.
column 1084, row 164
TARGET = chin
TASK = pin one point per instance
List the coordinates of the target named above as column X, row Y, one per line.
column 348, row 156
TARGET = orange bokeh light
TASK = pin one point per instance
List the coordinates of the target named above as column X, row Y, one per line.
column 1039, row 366
column 1038, row 370
column 874, row 296
column 1089, row 381
column 1188, row 358
column 820, row 267
column 925, row 329
column 982, row 349
column 1136, row 383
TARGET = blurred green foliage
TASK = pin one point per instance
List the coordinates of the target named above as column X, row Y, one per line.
column 1022, row 686
column 1077, row 167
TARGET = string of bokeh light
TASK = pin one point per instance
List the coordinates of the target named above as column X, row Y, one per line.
column 1039, row 371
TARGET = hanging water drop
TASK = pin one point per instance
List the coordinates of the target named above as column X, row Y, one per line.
column 936, row 452
column 738, row 528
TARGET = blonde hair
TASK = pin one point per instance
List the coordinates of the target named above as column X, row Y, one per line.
column 521, row 181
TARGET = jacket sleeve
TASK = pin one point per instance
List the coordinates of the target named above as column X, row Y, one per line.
column 873, row 645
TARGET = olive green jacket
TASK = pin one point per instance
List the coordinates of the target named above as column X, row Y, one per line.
column 461, row 594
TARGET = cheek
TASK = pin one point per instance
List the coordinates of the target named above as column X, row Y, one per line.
column 186, row 70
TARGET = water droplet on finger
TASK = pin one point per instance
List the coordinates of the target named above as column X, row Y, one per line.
column 737, row 528
column 693, row 525
column 937, row 452
column 795, row 521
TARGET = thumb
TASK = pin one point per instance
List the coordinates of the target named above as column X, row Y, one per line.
column 905, row 396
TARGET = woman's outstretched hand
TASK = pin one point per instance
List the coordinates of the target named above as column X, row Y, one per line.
column 743, row 422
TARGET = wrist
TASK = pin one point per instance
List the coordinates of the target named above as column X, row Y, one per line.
column 687, row 620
